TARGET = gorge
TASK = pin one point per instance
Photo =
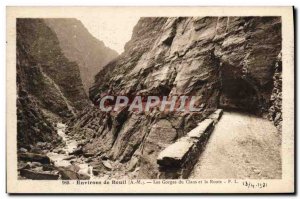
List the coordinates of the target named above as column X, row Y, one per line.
column 233, row 63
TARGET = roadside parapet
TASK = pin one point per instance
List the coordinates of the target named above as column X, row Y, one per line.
column 178, row 159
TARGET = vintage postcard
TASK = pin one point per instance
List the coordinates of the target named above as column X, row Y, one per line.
column 150, row 100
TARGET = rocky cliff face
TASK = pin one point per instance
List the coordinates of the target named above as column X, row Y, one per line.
column 80, row 46
column 248, row 54
column 227, row 62
column 275, row 113
column 49, row 85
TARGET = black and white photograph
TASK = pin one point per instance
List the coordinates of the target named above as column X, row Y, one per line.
column 152, row 100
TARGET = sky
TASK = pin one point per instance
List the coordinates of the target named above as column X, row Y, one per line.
column 114, row 32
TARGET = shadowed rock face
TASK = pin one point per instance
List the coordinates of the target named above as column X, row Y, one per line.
column 226, row 61
column 275, row 113
column 48, row 84
column 80, row 46
column 248, row 54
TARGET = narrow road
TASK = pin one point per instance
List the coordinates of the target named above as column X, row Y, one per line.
column 241, row 146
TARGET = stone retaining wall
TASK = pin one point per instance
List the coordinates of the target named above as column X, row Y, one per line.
column 178, row 159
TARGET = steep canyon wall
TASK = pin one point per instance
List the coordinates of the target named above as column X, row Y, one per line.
column 228, row 62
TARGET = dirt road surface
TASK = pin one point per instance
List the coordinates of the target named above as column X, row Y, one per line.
column 241, row 146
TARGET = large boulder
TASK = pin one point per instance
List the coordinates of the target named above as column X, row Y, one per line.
column 33, row 157
column 69, row 174
column 38, row 175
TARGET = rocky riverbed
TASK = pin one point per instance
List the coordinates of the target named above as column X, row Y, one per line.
column 67, row 161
